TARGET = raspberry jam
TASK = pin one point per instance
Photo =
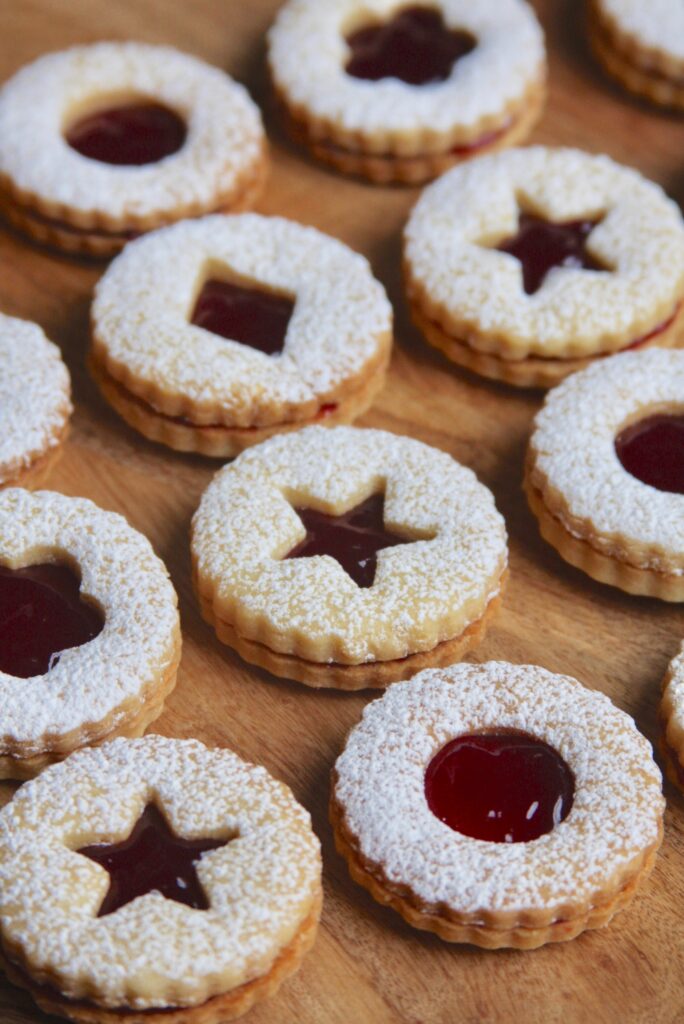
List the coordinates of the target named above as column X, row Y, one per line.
column 414, row 46
column 152, row 858
column 41, row 615
column 653, row 451
column 248, row 315
column 353, row 539
column 142, row 133
column 541, row 245
column 505, row 787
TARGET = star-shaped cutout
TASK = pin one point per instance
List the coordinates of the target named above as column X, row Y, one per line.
column 353, row 538
column 251, row 316
column 541, row 245
column 151, row 859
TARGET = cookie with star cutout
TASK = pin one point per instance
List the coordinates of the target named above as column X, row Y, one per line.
column 348, row 558
column 530, row 265
column 400, row 93
column 155, row 881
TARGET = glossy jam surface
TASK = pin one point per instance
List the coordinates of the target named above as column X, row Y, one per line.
column 541, row 245
column 653, row 451
column 414, row 46
column 353, row 538
column 248, row 315
column 503, row 787
column 152, row 858
column 141, row 133
column 41, row 615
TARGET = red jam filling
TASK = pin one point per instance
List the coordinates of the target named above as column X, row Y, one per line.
column 152, row 859
column 653, row 452
column 41, row 615
column 141, row 133
column 414, row 46
column 353, row 539
column 541, row 245
column 503, row 787
column 248, row 315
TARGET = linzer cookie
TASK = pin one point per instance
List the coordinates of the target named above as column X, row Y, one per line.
column 347, row 558
column 211, row 335
column 399, row 93
column 605, row 472
column 498, row 804
column 155, row 880
column 101, row 143
column 529, row 265
column 641, row 45
column 672, row 720
column 35, row 403
column 89, row 638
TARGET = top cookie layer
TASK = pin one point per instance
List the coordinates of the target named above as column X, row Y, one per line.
column 224, row 135
column 34, row 396
column 475, row 293
column 424, row 591
column 616, row 812
column 308, row 54
column 142, row 333
column 574, row 464
column 657, row 26
column 153, row 952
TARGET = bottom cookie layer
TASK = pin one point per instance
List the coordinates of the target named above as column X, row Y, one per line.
column 13, row 766
column 218, row 440
column 371, row 675
column 533, row 372
column 648, row 83
column 601, row 567
column 37, row 472
column 481, row 935
column 227, row 1006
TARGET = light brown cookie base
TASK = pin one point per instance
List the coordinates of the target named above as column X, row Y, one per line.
column 132, row 724
column 671, row 740
column 384, row 169
column 371, row 675
column 486, row 935
column 604, row 568
column 632, row 70
column 216, row 1010
column 102, row 243
column 37, row 472
column 222, row 441
column 533, row 372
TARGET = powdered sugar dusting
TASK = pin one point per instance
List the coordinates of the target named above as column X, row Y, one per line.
column 224, row 132
column 616, row 814
column 658, row 24
column 575, row 465
column 119, row 572
column 424, row 592
column 34, row 395
column 476, row 292
column 154, row 951
column 144, row 302
column 308, row 54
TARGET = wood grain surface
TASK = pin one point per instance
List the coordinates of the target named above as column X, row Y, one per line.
column 368, row 967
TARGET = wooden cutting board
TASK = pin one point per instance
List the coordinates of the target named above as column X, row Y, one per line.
column 368, row 967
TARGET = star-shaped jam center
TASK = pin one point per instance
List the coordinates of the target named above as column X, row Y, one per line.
column 353, row 538
column 414, row 45
column 541, row 245
column 248, row 315
column 152, row 858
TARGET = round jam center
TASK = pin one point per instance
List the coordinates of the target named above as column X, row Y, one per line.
column 252, row 317
column 41, row 615
column 414, row 46
column 653, row 451
column 152, row 858
column 142, row 133
column 353, row 538
column 501, row 787
column 541, row 245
